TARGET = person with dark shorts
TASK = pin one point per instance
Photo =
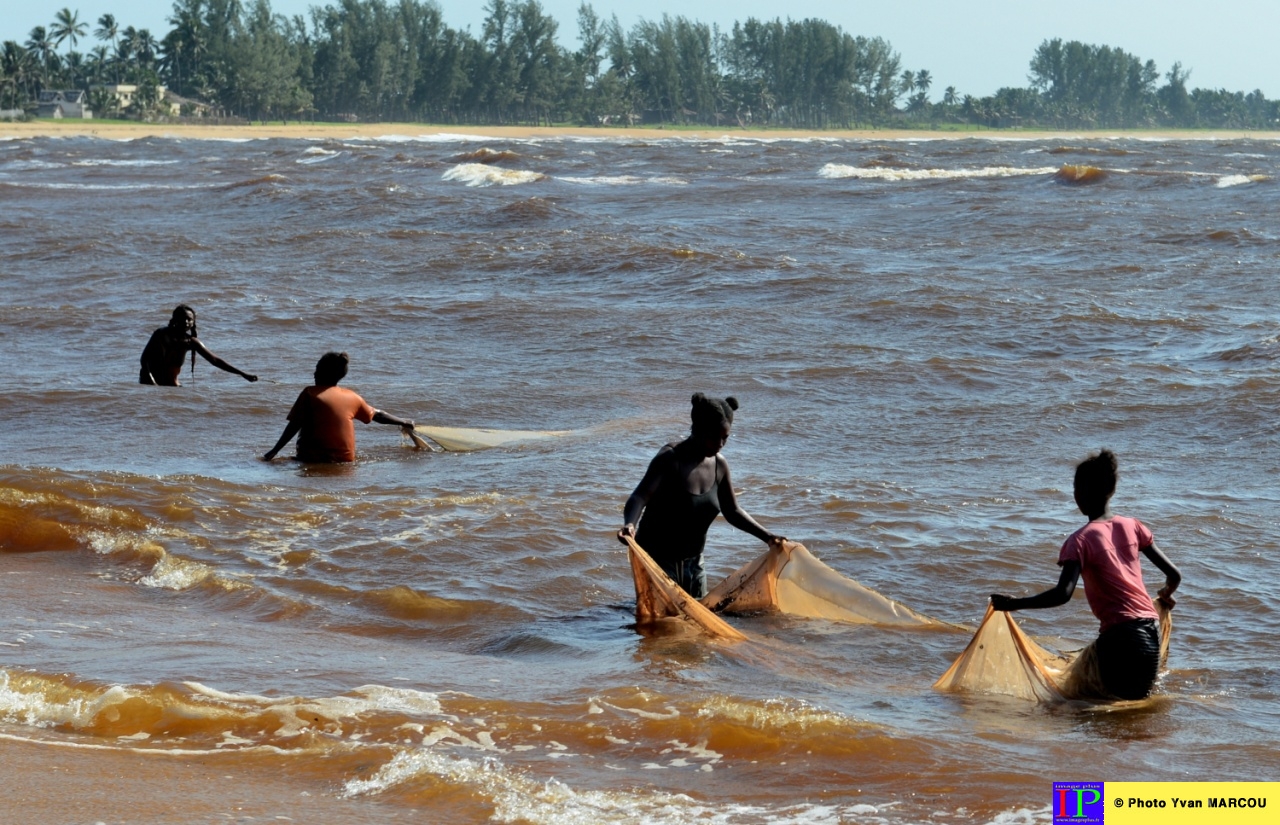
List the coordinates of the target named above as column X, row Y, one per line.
column 686, row 486
column 1107, row 552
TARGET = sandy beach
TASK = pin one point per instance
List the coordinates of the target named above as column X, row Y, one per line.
column 125, row 130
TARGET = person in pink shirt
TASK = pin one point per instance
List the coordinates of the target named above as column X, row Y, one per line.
column 325, row 416
column 1107, row 552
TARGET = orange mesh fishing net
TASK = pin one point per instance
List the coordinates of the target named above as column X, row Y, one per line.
column 1001, row 659
column 790, row 579
column 658, row 597
column 786, row 578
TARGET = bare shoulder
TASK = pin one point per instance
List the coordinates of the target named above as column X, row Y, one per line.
column 666, row 455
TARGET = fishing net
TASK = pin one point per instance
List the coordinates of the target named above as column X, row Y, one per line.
column 1001, row 659
column 790, row 579
column 786, row 578
column 658, row 598
column 465, row 439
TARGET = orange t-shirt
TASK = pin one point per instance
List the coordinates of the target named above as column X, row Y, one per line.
column 326, row 415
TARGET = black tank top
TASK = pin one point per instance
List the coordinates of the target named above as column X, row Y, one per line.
column 675, row 521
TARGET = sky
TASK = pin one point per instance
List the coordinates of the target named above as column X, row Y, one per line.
column 977, row 46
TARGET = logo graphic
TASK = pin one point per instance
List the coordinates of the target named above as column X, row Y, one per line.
column 1078, row 802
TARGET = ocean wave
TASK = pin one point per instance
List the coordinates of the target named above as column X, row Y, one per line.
column 1228, row 181
column 102, row 187
column 1231, row 237
column 622, row 180
column 485, row 155
column 29, row 164
column 530, row 209
column 123, row 162
column 192, row 714
column 1079, row 174
column 263, row 180
column 516, row 797
column 317, row 155
column 39, row 521
column 439, row 137
column 1114, row 151
column 839, row 171
column 479, row 174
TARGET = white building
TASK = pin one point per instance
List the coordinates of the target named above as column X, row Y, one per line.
column 66, row 103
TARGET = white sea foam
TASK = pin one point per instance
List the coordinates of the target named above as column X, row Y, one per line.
column 517, row 798
column 839, row 171
column 28, row 164
column 317, row 155
column 172, row 573
column 622, row 180
column 34, row 709
column 441, row 137
column 95, row 187
column 1238, row 180
column 479, row 174
column 1024, row 816
column 24, row 708
column 123, row 162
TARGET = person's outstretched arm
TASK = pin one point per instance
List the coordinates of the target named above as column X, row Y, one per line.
column 381, row 417
column 733, row 513
column 218, row 362
column 291, row 429
column 1172, row 576
column 1059, row 594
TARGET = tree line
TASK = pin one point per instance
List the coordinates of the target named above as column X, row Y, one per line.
column 397, row 60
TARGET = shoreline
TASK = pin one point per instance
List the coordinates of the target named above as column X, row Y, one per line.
column 128, row 130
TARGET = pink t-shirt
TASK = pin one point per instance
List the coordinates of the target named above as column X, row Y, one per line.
column 1110, row 557
column 326, row 415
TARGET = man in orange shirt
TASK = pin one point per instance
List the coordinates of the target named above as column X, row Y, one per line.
column 325, row 414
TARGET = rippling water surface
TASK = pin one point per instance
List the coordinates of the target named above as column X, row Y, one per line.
column 924, row 336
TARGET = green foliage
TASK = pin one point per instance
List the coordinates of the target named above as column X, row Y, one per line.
column 398, row 60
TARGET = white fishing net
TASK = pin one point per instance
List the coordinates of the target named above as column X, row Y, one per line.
column 465, row 439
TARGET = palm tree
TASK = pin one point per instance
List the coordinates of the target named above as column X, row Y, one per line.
column 109, row 29
column 76, row 68
column 38, row 41
column 15, row 69
column 67, row 26
column 98, row 60
column 186, row 41
column 949, row 97
column 127, row 51
column 907, row 82
column 145, row 47
column 44, row 59
column 923, row 81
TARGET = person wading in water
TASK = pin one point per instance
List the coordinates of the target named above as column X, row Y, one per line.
column 325, row 415
column 1107, row 552
column 686, row 486
column 163, row 355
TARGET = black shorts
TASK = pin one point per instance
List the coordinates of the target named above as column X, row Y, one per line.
column 1129, row 658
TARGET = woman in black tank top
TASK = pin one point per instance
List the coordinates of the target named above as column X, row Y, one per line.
column 686, row 486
